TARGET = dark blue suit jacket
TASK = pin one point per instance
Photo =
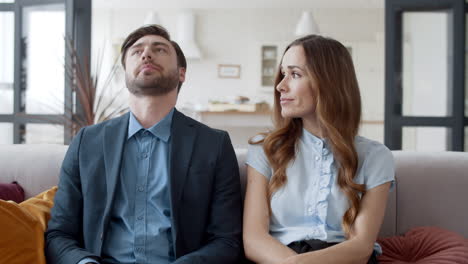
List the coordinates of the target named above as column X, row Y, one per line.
column 204, row 191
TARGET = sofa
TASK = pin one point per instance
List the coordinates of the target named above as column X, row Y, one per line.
column 431, row 189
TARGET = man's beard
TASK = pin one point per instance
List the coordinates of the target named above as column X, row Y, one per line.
column 160, row 85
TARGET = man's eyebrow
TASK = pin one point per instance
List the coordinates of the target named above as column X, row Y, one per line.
column 155, row 43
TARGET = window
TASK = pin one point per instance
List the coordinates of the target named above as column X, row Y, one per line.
column 35, row 92
column 425, row 75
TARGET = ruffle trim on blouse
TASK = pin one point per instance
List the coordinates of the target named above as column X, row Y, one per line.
column 325, row 186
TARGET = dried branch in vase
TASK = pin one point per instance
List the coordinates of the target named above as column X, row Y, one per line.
column 98, row 102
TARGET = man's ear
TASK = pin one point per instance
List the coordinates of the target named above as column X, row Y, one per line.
column 182, row 74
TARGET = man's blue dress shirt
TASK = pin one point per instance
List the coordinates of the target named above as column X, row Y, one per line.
column 140, row 226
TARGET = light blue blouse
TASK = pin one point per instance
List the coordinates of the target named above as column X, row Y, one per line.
column 311, row 205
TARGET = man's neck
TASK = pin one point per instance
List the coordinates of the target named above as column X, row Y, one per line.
column 149, row 110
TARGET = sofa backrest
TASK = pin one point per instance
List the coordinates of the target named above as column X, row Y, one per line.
column 431, row 188
column 35, row 167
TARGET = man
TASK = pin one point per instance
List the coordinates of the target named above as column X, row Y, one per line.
column 152, row 186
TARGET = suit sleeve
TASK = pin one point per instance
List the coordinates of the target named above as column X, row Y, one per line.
column 225, row 226
column 64, row 234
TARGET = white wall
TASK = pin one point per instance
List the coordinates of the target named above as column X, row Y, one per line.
column 235, row 36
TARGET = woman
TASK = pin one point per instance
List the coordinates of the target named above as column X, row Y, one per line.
column 316, row 192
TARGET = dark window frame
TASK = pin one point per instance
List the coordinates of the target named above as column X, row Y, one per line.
column 394, row 119
column 78, row 29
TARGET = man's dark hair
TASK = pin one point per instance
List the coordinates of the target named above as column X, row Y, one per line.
column 152, row 30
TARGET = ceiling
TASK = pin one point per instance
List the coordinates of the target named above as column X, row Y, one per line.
column 207, row 4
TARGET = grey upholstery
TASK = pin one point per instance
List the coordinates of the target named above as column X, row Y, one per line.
column 35, row 167
column 431, row 188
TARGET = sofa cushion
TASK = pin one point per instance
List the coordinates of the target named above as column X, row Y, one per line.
column 431, row 191
column 36, row 167
column 11, row 191
column 22, row 227
column 425, row 245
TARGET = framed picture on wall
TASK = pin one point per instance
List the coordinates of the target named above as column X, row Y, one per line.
column 229, row 71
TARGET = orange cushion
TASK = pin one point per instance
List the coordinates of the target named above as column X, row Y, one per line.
column 22, row 228
column 425, row 245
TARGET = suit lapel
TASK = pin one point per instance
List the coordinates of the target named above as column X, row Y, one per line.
column 115, row 133
column 183, row 134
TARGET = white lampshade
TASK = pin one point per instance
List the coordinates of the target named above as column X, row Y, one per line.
column 152, row 18
column 306, row 25
column 186, row 35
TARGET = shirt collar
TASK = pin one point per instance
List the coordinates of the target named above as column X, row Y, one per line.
column 162, row 129
column 313, row 140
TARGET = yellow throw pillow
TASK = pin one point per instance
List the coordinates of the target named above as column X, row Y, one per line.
column 22, row 228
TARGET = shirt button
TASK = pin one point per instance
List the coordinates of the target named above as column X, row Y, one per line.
column 317, row 158
column 139, row 249
column 140, row 218
column 144, row 155
column 141, row 188
column 309, row 210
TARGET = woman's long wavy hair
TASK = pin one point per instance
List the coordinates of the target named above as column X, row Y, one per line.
column 338, row 113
